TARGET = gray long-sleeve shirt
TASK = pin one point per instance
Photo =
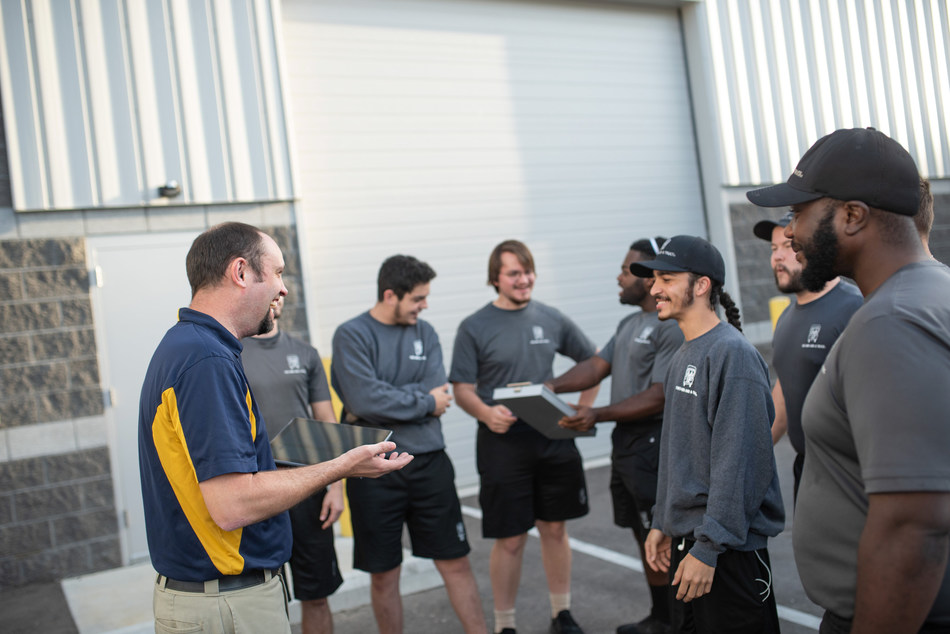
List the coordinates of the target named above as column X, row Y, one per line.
column 383, row 375
column 717, row 478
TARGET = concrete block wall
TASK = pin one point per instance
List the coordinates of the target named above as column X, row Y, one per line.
column 58, row 515
column 57, row 512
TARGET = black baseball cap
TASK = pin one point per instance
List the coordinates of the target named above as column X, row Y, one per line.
column 850, row 164
column 765, row 228
column 684, row 254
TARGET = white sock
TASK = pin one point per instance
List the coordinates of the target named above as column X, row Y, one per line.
column 559, row 602
column 503, row 619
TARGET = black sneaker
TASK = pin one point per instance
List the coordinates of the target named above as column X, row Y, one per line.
column 564, row 623
column 508, row 630
column 649, row 625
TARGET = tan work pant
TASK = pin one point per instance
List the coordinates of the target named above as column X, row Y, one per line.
column 261, row 608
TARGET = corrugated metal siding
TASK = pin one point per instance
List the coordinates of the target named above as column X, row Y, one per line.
column 789, row 71
column 105, row 101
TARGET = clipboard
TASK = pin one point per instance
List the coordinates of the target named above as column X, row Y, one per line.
column 305, row 441
column 541, row 408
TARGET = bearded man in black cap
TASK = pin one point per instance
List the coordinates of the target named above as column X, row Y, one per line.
column 872, row 525
column 804, row 334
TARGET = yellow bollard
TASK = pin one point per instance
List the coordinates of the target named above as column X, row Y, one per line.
column 777, row 306
column 346, row 525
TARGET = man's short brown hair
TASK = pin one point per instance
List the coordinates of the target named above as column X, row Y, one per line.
column 516, row 248
column 924, row 219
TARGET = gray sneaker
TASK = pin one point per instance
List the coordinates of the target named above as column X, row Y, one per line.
column 649, row 625
column 564, row 623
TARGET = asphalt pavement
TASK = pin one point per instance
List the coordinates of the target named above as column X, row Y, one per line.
column 608, row 587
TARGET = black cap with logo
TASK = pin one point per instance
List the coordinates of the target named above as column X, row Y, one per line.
column 850, row 164
column 764, row 228
column 684, row 254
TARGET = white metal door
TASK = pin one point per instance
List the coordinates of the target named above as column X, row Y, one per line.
column 141, row 283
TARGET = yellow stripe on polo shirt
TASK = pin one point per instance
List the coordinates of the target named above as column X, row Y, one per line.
column 250, row 411
column 223, row 547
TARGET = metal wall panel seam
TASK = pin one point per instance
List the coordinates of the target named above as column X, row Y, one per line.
column 135, row 121
column 24, row 146
column 267, row 142
column 91, row 146
column 275, row 94
column 220, row 101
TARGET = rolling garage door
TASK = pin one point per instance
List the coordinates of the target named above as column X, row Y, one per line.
column 438, row 128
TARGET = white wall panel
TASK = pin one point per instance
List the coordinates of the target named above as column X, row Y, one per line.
column 439, row 128
column 104, row 101
column 790, row 71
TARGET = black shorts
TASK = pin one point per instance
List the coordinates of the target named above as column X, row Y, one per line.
column 742, row 598
column 633, row 483
column 527, row 477
column 313, row 558
column 422, row 496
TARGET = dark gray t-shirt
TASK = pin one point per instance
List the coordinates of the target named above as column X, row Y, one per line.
column 875, row 421
column 717, row 478
column 803, row 336
column 639, row 355
column 286, row 376
column 495, row 347
column 383, row 375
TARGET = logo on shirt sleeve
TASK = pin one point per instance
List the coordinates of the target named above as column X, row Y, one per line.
column 417, row 351
column 688, row 377
column 812, row 340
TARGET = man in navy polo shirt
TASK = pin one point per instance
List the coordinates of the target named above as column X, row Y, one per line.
column 215, row 506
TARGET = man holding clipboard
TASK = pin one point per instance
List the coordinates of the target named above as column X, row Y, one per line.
column 526, row 478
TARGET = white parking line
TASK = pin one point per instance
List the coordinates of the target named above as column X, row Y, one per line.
column 632, row 563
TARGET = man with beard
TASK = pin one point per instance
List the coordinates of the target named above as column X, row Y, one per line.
column 527, row 480
column 215, row 505
column 287, row 374
column 872, row 526
column 636, row 357
column 717, row 498
column 803, row 334
column 387, row 369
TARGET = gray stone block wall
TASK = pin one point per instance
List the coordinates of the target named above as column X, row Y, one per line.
column 58, row 514
column 57, row 517
column 756, row 283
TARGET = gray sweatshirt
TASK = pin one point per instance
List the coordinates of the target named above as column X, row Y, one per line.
column 717, row 479
column 383, row 375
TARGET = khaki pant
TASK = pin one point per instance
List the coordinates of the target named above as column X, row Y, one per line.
column 260, row 608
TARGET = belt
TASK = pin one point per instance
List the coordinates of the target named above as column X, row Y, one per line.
column 228, row 583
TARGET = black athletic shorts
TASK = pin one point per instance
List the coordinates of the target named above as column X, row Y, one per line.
column 526, row 477
column 741, row 601
column 313, row 558
column 422, row 496
column 633, row 482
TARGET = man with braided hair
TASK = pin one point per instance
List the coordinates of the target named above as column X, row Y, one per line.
column 717, row 499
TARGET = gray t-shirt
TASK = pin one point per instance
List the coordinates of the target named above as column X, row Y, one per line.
column 717, row 478
column 495, row 347
column 803, row 336
column 286, row 375
column 639, row 355
column 383, row 375
column 875, row 421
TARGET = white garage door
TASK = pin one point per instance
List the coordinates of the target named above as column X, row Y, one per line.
column 438, row 128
